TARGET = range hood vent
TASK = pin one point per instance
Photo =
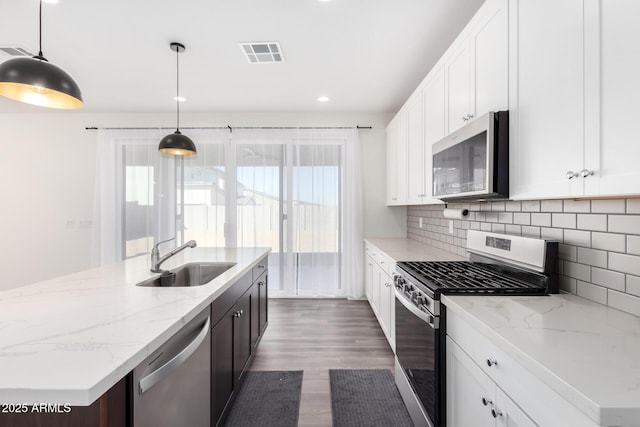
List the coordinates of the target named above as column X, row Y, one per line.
column 262, row 52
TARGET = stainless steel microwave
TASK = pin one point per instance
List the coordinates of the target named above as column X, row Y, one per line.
column 472, row 163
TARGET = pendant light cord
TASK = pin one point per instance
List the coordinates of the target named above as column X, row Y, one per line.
column 40, row 34
column 177, row 89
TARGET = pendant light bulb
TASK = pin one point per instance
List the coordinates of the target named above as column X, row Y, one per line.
column 37, row 82
column 176, row 143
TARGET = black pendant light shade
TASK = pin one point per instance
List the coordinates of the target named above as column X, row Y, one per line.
column 176, row 143
column 35, row 81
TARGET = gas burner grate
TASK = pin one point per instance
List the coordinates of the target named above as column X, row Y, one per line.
column 469, row 277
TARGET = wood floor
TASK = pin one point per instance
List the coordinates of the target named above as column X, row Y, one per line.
column 315, row 335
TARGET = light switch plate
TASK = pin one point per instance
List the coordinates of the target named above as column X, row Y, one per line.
column 420, row 222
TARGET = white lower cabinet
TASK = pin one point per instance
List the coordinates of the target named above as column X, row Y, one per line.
column 479, row 372
column 379, row 290
column 473, row 399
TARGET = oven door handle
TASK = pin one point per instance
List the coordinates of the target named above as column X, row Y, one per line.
column 428, row 318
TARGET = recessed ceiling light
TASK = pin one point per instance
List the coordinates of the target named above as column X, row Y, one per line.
column 50, row 1
column 180, row 98
column 323, row 99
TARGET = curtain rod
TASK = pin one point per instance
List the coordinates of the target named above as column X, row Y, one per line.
column 231, row 129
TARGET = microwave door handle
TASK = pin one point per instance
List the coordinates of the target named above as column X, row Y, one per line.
column 429, row 319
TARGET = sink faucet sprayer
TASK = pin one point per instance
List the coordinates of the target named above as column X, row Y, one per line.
column 156, row 260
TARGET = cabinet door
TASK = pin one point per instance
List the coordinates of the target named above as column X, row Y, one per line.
column 375, row 289
column 385, row 303
column 222, row 378
column 242, row 336
column 392, row 163
column 509, row 414
column 546, row 105
column 415, row 148
column 368, row 278
column 467, row 386
column 458, row 70
column 612, row 151
column 434, row 126
column 263, row 302
column 255, row 315
column 491, row 65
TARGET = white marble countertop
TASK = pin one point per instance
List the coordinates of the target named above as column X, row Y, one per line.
column 70, row 339
column 403, row 249
column 588, row 353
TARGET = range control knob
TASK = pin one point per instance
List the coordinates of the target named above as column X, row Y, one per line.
column 421, row 301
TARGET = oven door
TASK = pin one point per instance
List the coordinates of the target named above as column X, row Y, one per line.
column 419, row 357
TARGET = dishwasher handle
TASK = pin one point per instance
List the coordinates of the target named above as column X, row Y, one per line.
column 165, row 370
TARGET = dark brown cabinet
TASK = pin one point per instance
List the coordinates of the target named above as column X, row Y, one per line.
column 237, row 329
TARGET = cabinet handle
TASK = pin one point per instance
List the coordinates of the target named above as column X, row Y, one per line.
column 261, row 266
column 465, row 118
column 394, row 198
column 470, row 116
column 486, row 401
column 491, row 362
column 260, row 283
column 496, row 412
column 381, row 262
column 572, row 174
column 586, row 173
column 241, row 312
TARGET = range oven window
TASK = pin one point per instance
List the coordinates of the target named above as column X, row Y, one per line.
column 417, row 349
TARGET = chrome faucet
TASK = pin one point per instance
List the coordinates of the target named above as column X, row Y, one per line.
column 156, row 260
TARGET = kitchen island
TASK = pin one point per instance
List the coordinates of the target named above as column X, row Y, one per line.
column 68, row 340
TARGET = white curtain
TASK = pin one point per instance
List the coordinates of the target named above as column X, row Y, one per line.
column 295, row 190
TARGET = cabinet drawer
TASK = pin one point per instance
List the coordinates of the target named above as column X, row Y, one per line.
column 228, row 299
column 539, row 401
column 387, row 264
column 260, row 268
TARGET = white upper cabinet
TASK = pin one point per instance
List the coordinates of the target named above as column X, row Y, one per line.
column 397, row 161
column 434, row 125
column 612, row 145
column 477, row 67
column 546, row 115
column 416, row 150
column 573, row 92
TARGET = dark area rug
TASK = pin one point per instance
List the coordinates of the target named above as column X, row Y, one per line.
column 267, row 399
column 366, row 397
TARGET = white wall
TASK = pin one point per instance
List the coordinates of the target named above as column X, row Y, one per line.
column 47, row 178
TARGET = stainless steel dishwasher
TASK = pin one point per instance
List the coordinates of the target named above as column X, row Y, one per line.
column 172, row 387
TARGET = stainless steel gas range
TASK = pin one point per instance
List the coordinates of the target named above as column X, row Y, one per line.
column 499, row 264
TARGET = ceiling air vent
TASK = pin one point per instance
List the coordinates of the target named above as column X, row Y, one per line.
column 8, row 52
column 262, row 52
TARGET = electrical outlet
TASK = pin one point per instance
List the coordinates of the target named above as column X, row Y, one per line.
column 450, row 227
column 420, row 222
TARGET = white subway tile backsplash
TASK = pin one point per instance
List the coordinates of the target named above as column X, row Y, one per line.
column 592, row 257
column 607, row 278
column 568, row 284
column 551, row 206
column 599, row 240
column 608, row 241
column 513, row 206
column 625, row 263
column 577, row 271
column 633, row 206
column 608, row 206
column 567, row 252
column 528, row 231
column 592, row 222
column 531, row 206
column 522, row 218
column 624, row 302
column 559, row 220
column 577, row 237
column 592, row 292
column 629, row 224
column 633, row 285
column 552, row 234
column 541, row 219
column 497, row 228
column 505, row 217
column 514, row 230
column 633, row 245
column 582, row 206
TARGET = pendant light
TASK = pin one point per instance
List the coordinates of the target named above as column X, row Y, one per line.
column 35, row 81
column 176, row 143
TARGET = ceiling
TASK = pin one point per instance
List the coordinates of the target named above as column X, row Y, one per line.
column 367, row 56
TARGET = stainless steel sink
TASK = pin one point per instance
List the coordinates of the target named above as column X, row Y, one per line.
column 192, row 274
